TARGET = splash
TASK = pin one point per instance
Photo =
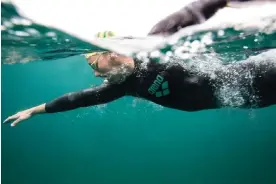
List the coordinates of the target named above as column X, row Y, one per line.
column 221, row 50
column 234, row 81
column 222, row 34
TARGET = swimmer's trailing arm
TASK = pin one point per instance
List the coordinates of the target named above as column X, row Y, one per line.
column 194, row 13
column 93, row 96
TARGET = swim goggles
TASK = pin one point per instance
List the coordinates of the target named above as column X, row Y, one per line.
column 94, row 64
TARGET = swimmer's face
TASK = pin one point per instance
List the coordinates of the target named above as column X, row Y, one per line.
column 101, row 64
column 106, row 66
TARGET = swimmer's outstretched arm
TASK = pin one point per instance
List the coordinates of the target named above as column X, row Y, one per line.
column 93, row 96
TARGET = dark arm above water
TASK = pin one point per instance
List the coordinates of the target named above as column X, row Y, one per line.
column 194, row 13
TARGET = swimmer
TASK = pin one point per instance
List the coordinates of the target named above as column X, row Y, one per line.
column 168, row 84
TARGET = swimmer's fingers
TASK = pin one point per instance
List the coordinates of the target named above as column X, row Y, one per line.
column 15, row 116
column 20, row 116
column 16, row 121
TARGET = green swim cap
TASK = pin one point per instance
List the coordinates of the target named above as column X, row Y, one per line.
column 105, row 34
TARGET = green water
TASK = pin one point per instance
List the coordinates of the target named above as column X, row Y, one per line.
column 128, row 140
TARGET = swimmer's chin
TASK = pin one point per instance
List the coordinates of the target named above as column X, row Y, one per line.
column 115, row 79
column 111, row 81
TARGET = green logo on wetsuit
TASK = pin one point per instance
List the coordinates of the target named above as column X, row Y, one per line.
column 159, row 81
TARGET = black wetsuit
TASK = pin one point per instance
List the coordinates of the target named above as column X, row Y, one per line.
column 175, row 87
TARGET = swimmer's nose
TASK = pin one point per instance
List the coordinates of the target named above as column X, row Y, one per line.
column 96, row 74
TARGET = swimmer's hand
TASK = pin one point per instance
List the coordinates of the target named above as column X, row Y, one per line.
column 170, row 24
column 26, row 114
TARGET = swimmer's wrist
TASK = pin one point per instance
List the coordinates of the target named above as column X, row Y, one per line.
column 38, row 109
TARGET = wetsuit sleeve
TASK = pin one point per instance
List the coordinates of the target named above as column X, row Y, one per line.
column 194, row 13
column 88, row 97
column 208, row 8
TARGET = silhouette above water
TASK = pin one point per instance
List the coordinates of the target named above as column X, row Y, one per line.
column 194, row 13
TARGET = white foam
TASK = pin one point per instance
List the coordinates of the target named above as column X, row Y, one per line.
column 81, row 24
column 20, row 21
column 33, row 31
column 3, row 28
column 21, row 33
column 231, row 91
column 261, row 17
column 120, row 16
column 220, row 33
column 207, row 39
column 7, row 24
column 155, row 54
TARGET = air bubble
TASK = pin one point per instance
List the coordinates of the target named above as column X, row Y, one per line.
column 221, row 33
column 33, row 31
column 51, row 34
column 21, row 33
column 21, row 21
column 3, row 28
column 7, row 24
